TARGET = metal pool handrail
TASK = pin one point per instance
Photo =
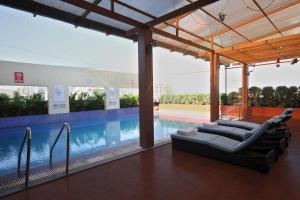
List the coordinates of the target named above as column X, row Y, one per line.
column 27, row 135
column 67, row 126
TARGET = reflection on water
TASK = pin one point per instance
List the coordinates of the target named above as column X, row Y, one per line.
column 87, row 137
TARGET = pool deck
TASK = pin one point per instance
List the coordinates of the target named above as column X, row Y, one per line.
column 163, row 173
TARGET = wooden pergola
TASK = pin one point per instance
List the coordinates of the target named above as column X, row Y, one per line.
column 222, row 31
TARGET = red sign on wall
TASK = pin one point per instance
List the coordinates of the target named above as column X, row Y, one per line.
column 19, row 77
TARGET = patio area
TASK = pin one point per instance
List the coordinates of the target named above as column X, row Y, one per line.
column 234, row 34
column 163, row 173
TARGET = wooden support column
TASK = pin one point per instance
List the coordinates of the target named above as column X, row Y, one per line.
column 214, row 87
column 245, row 83
column 145, row 88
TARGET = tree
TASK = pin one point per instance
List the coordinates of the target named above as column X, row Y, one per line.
column 268, row 96
column 224, row 99
column 4, row 105
column 233, row 97
column 292, row 97
column 281, row 96
column 254, row 96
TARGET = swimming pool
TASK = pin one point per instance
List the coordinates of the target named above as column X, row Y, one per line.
column 88, row 137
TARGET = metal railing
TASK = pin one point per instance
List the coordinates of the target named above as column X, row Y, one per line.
column 231, row 108
column 67, row 126
column 27, row 135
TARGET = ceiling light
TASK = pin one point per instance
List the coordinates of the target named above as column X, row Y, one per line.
column 278, row 62
column 222, row 16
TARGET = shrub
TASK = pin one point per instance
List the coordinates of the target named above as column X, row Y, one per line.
column 233, row 97
column 195, row 99
column 281, row 95
column 4, row 105
column 254, row 96
column 19, row 105
column 224, row 99
column 85, row 101
column 36, row 104
column 292, row 97
column 129, row 100
column 268, row 96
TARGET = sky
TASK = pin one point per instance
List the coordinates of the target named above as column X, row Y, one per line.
column 24, row 38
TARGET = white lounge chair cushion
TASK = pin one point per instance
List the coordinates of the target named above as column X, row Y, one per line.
column 186, row 132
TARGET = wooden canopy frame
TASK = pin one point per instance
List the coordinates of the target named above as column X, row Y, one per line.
column 170, row 19
column 203, row 46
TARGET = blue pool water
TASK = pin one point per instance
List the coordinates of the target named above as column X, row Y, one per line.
column 87, row 138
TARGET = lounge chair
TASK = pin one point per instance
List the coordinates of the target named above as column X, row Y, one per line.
column 243, row 134
column 228, row 150
column 268, row 140
column 249, row 125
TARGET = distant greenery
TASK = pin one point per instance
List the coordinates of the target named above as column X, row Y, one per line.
column 129, row 100
column 35, row 104
column 86, row 101
column 281, row 96
column 18, row 105
column 192, row 99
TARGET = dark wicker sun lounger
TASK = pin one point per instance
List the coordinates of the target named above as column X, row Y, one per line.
column 228, row 150
column 278, row 131
column 249, row 125
column 276, row 141
column 240, row 133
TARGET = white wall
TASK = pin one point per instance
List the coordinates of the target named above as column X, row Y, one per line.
column 50, row 76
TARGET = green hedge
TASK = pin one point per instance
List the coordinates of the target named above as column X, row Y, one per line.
column 195, row 99
column 129, row 100
column 86, row 101
column 18, row 105
column 281, row 96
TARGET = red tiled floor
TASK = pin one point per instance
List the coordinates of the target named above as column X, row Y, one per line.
column 161, row 173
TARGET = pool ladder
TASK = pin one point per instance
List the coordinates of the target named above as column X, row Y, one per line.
column 67, row 127
column 27, row 135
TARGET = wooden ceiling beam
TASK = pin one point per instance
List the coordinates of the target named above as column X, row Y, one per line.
column 196, row 36
column 105, row 12
column 178, row 49
column 258, row 43
column 188, row 9
column 190, row 53
column 246, row 22
column 87, row 12
column 179, row 39
column 284, row 47
column 165, row 24
column 134, row 9
column 288, row 28
column 262, row 10
column 172, row 21
column 181, row 11
column 47, row 11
